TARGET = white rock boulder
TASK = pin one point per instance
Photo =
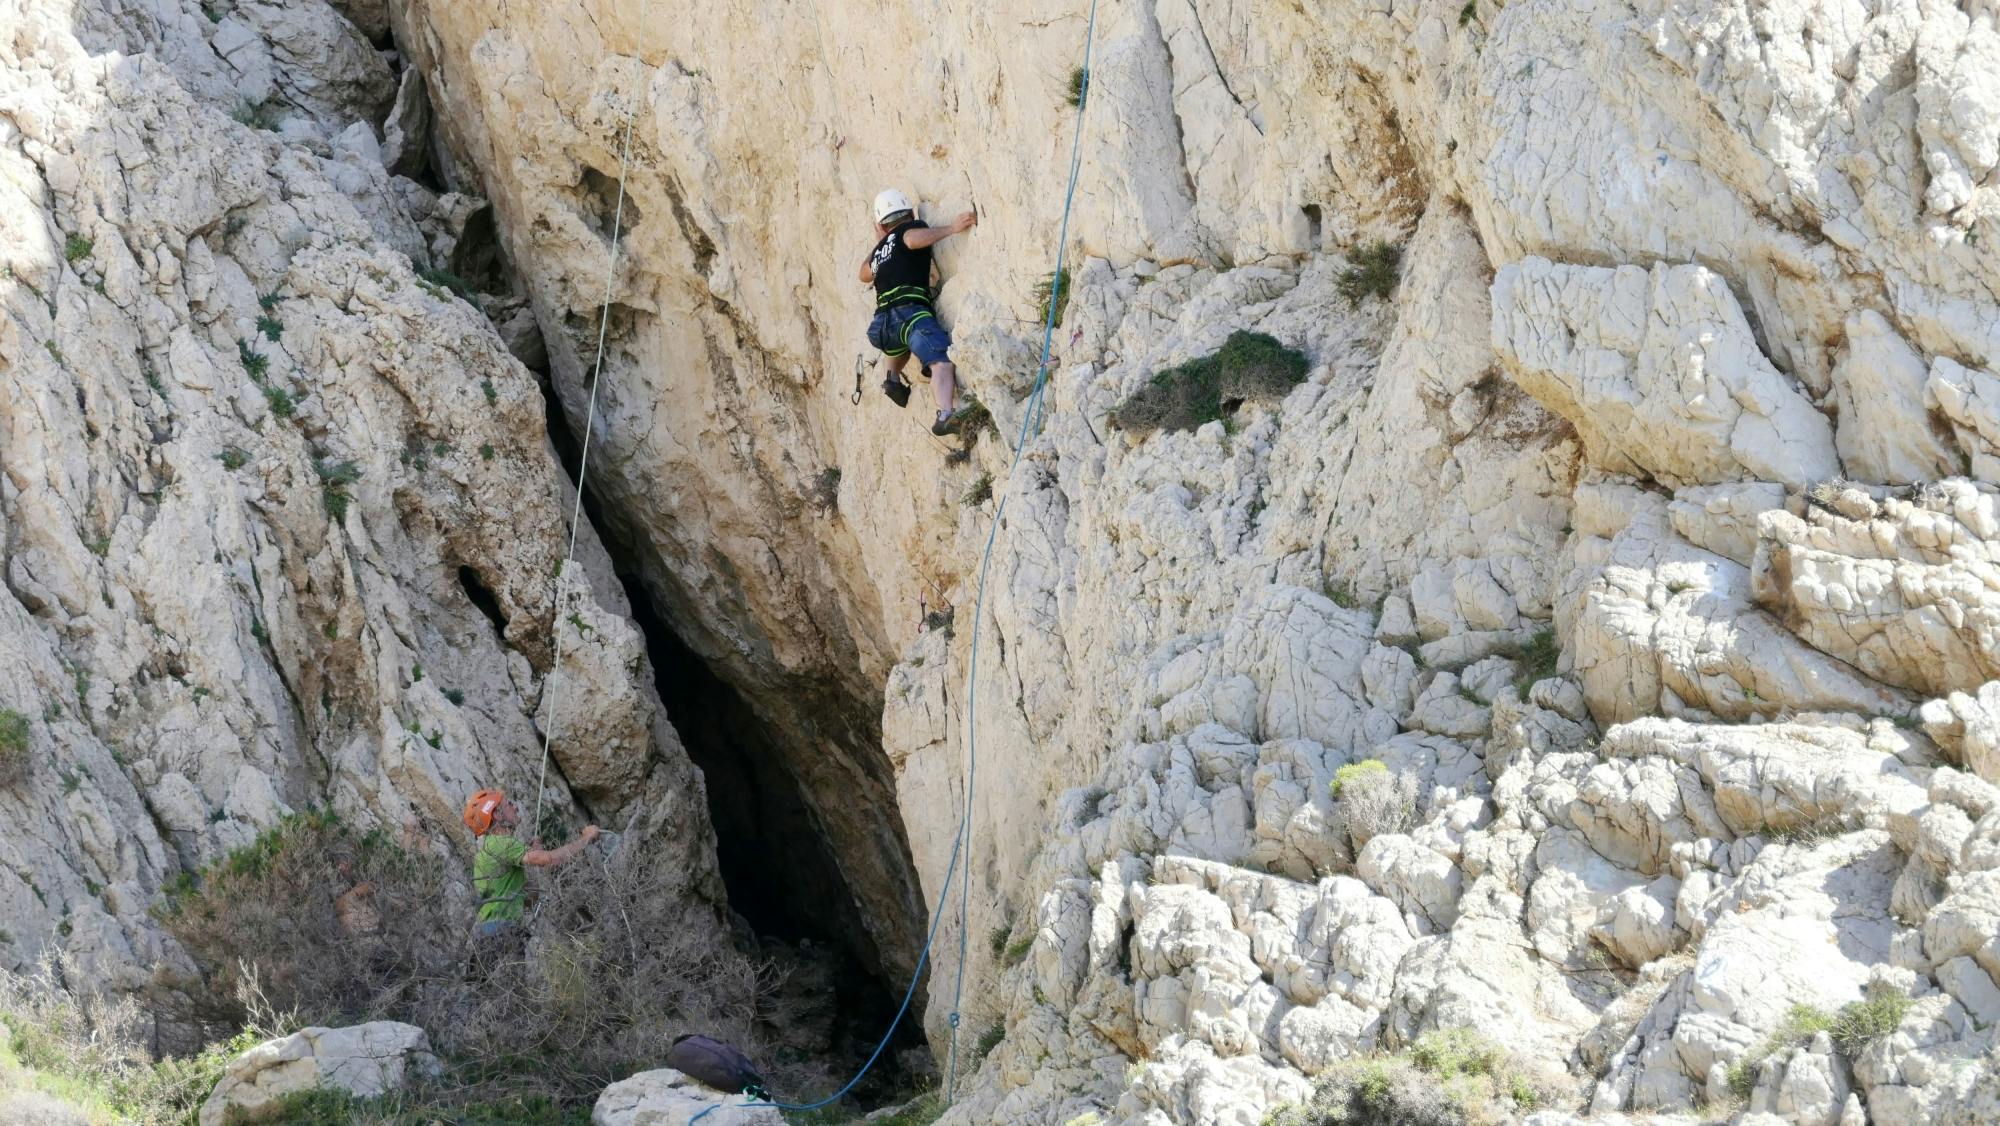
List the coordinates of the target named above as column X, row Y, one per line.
column 668, row 1098
column 365, row 1060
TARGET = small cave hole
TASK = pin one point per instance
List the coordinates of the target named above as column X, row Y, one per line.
column 1314, row 226
column 482, row 597
column 600, row 200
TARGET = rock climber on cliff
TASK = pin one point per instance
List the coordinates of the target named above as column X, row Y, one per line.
column 905, row 321
column 500, row 867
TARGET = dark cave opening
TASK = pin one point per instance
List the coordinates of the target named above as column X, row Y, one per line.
column 477, row 256
column 784, row 883
column 785, row 886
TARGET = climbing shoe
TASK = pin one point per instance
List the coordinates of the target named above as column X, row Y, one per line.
column 947, row 423
column 897, row 390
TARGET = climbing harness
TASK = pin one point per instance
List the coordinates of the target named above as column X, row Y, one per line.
column 589, row 428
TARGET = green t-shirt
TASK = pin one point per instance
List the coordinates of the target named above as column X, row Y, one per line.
column 499, row 878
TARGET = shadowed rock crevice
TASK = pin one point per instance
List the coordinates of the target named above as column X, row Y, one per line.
column 788, row 877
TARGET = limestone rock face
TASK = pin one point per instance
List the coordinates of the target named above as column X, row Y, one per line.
column 1658, row 372
column 281, row 521
column 1642, row 527
column 365, row 1060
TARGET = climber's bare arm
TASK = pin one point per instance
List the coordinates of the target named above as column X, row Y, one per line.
column 931, row 236
column 557, row 857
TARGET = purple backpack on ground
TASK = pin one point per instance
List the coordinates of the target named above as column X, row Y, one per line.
column 715, row 1063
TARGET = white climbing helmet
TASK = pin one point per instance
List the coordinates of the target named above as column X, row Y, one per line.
column 889, row 202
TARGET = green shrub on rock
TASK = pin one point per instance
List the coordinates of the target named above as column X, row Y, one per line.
column 1251, row 366
column 15, row 765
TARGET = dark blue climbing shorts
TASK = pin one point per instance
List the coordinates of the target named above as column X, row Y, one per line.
column 903, row 329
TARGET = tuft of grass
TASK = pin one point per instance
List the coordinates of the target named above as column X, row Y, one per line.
column 55, row 353
column 996, row 939
column 1810, row 832
column 280, row 401
column 1862, row 1023
column 825, row 492
column 1538, row 659
column 334, row 477
column 1521, row 1091
column 254, row 362
column 1078, row 88
column 456, row 697
column 15, row 765
column 1468, row 13
column 486, row 451
column 1372, row 271
column 1451, row 1052
column 270, row 326
column 1857, row 1025
column 1353, row 772
column 980, row 492
column 1449, row 1077
column 445, row 279
column 99, row 546
column 1017, row 951
column 988, row 1040
column 266, row 115
column 268, row 301
column 1250, row 366
column 492, row 395
column 94, row 1053
column 923, row 1110
column 232, row 458
column 975, row 419
column 1052, row 296
column 75, row 248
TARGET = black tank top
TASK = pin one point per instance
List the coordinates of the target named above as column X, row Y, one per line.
column 902, row 274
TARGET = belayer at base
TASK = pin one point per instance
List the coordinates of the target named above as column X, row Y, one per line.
column 500, row 867
column 906, row 321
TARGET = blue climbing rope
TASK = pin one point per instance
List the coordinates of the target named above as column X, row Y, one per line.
column 1031, row 420
column 961, row 848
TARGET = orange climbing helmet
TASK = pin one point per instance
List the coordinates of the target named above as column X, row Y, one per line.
column 479, row 809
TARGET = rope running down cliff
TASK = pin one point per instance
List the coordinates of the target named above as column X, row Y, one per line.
column 1031, row 421
column 589, row 425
